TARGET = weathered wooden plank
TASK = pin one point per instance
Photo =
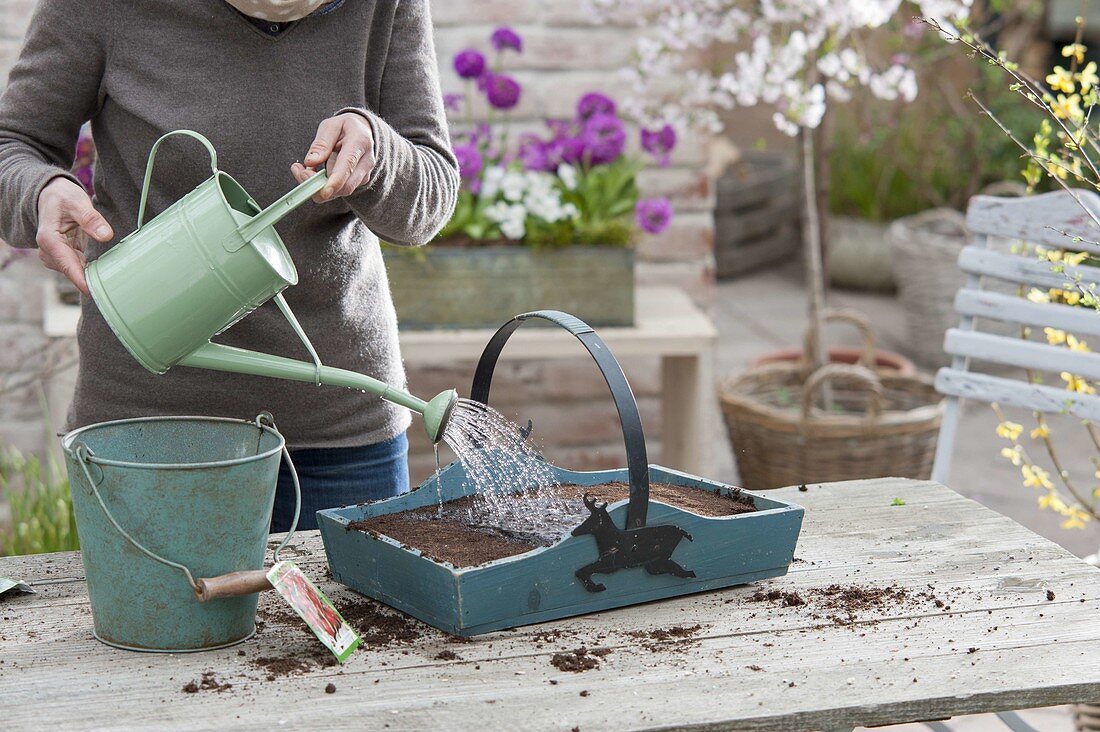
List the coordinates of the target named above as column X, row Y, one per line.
column 977, row 260
column 996, row 306
column 1018, row 352
column 1053, row 218
column 1017, row 393
column 1027, row 650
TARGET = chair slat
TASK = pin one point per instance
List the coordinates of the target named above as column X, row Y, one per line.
column 1043, row 219
column 1013, row 393
column 1080, row 321
column 1012, row 351
column 975, row 260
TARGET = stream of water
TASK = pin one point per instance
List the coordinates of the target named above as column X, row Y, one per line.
column 499, row 461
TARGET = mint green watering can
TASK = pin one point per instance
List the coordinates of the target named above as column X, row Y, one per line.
column 207, row 261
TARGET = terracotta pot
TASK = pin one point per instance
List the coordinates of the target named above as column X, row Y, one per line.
column 885, row 360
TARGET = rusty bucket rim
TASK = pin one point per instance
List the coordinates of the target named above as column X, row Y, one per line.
column 70, row 443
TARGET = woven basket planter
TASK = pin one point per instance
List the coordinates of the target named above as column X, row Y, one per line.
column 925, row 249
column 881, row 424
column 1087, row 717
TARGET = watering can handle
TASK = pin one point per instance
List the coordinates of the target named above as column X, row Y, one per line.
column 233, row 584
column 153, row 156
column 636, row 459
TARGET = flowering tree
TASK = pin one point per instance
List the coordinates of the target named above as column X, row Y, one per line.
column 796, row 55
column 573, row 184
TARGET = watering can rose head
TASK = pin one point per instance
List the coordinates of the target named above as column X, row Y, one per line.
column 576, row 184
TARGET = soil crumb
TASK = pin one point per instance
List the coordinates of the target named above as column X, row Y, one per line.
column 379, row 627
column 330, row 688
column 447, row 655
column 577, row 661
column 208, row 682
column 450, row 539
column 787, row 599
column 658, row 639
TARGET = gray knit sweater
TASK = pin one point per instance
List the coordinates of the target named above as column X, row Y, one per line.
column 139, row 68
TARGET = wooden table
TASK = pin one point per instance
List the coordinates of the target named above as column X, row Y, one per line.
column 668, row 325
column 998, row 643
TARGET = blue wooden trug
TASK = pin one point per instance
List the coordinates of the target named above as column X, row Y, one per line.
column 540, row 585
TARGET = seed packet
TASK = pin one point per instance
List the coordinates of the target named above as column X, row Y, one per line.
column 10, row 584
column 313, row 607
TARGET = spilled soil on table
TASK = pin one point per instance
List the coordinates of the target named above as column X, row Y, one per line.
column 450, row 539
column 847, row 604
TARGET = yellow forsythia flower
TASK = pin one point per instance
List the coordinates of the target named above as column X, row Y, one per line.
column 1061, row 80
column 1036, row 477
column 1055, row 337
column 1070, row 297
column 1041, row 431
column 1075, row 259
column 1076, row 51
column 1009, row 430
column 1068, row 107
column 1073, row 522
column 1087, row 76
column 1037, row 295
column 1077, row 384
column 1013, row 454
column 1076, row 345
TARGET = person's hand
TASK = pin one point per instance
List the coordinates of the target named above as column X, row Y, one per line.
column 66, row 218
column 345, row 146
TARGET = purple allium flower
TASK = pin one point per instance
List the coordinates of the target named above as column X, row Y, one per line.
column 505, row 38
column 604, row 138
column 659, row 143
column 653, row 214
column 566, row 150
column 535, row 153
column 453, row 102
column 502, row 91
column 84, row 162
column 469, row 64
column 594, row 103
column 469, row 161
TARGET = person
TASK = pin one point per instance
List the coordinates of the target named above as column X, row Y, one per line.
column 253, row 76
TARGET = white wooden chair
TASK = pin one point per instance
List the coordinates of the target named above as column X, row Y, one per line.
column 1051, row 220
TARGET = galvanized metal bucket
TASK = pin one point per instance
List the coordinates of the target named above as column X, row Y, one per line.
column 161, row 501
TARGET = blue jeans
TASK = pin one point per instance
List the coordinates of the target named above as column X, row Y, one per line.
column 332, row 477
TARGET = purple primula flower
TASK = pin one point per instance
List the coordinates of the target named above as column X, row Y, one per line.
column 604, row 138
column 502, row 91
column 653, row 214
column 469, row 64
column 659, row 143
column 594, row 103
column 453, row 102
column 469, row 161
column 506, row 38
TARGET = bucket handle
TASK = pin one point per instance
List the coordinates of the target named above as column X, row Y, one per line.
column 227, row 585
column 153, row 156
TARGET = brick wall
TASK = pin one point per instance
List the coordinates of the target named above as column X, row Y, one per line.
column 565, row 56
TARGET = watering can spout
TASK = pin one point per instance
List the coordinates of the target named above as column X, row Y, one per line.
column 218, row 357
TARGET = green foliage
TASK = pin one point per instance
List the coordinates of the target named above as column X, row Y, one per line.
column 41, row 506
column 897, row 502
column 887, row 161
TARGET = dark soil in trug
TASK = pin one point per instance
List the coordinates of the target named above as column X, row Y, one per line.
column 452, row 540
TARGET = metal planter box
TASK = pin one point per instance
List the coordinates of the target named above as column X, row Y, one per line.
column 446, row 286
column 540, row 585
column 647, row 559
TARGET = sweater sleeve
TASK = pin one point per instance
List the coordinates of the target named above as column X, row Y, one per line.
column 411, row 192
column 54, row 87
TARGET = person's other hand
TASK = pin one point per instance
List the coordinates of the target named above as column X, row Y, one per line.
column 66, row 218
column 345, row 146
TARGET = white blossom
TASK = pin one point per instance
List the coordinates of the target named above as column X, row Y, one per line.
column 797, row 55
column 568, row 176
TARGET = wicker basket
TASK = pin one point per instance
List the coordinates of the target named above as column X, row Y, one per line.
column 925, row 251
column 885, row 425
column 1087, row 717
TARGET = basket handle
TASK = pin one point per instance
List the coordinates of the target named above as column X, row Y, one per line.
column 233, row 584
column 843, row 372
column 841, row 315
column 633, row 437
